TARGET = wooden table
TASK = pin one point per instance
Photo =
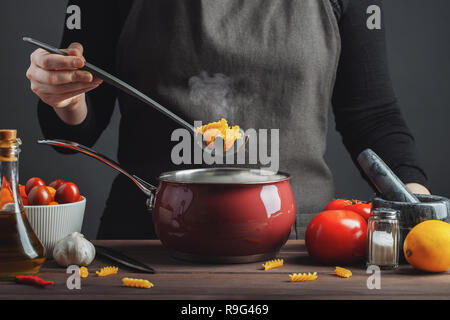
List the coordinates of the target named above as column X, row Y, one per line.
column 176, row 279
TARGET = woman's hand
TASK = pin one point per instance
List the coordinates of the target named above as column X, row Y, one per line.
column 58, row 82
column 417, row 188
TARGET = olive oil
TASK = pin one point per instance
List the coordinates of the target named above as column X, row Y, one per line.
column 21, row 252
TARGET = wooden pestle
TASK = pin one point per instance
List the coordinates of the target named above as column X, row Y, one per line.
column 384, row 180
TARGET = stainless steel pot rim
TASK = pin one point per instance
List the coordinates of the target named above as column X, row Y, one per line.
column 224, row 175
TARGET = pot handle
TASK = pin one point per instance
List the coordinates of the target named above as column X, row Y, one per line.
column 146, row 187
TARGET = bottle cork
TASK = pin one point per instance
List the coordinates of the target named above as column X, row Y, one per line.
column 8, row 144
column 8, row 135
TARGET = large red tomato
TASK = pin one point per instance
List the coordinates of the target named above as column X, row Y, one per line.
column 337, row 236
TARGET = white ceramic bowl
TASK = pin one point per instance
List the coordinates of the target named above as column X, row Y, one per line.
column 52, row 223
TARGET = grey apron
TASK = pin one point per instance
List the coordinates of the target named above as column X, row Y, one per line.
column 262, row 64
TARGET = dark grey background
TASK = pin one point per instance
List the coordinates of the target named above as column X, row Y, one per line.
column 419, row 51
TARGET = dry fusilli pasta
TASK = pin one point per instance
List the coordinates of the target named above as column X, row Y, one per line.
column 273, row 264
column 302, row 277
column 84, row 272
column 136, row 283
column 107, row 271
column 343, row 273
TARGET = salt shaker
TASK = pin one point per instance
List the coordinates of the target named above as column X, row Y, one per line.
column 383, row 236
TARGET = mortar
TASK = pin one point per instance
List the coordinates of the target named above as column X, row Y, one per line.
column 411, row 214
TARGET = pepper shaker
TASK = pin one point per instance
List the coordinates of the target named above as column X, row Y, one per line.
column 383, row 236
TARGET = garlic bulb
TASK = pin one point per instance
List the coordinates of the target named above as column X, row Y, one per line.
column 74, row 250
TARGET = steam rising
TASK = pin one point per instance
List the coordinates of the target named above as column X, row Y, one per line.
column 211, row 91
column 223, row 96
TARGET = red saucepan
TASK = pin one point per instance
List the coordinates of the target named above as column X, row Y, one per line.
column 224, row 215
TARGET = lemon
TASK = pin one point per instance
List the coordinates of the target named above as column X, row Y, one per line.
column 427, row 246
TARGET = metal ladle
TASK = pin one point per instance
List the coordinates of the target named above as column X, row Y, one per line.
column 114, row 81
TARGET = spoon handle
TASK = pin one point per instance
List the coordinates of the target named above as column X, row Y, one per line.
column 384, row 180
column 116, row 82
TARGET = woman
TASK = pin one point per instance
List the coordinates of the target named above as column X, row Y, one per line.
column 283, row 62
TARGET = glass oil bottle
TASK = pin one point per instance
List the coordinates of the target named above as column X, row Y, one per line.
column 21, row 252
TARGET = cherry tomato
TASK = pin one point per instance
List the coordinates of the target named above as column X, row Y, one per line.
column 25, row 201
column 33, row 182
column 39, row 196
column 55, row 184
column 52, row 192
column 337, row 236
column 68, row 192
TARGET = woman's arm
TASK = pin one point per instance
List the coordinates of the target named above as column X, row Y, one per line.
column 364, row 104
column 85, row 118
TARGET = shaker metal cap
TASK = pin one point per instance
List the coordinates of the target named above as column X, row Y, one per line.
column 385, row 213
